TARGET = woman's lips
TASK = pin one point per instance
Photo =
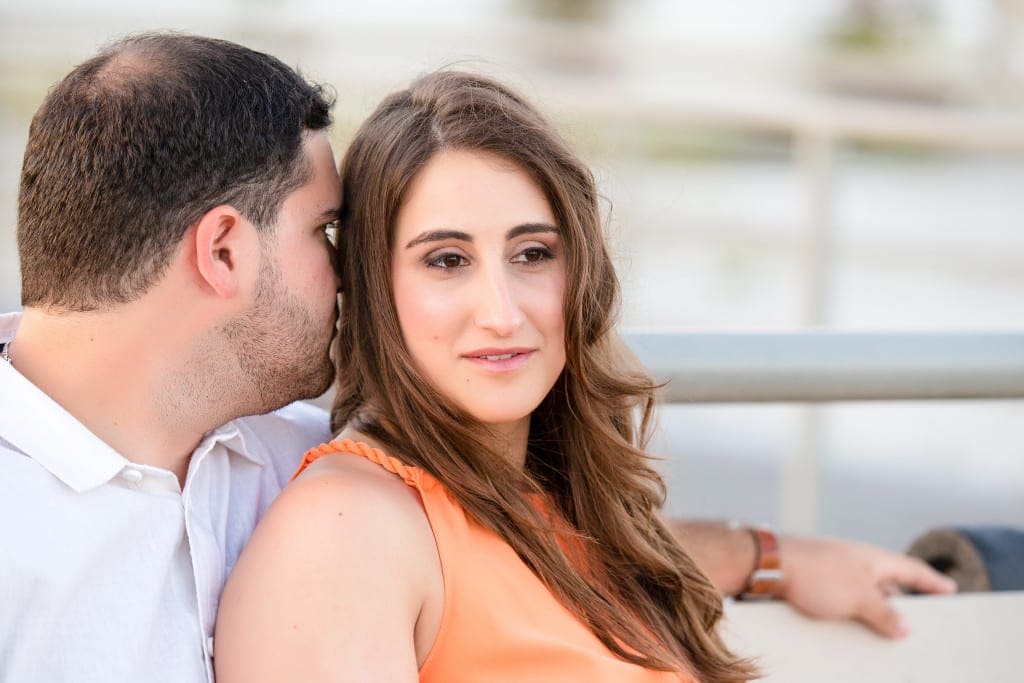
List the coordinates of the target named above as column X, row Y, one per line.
column 500, row 360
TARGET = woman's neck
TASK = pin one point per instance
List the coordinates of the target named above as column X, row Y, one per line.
column 511, row 439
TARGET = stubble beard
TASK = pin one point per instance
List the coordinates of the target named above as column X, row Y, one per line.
column 281, row 347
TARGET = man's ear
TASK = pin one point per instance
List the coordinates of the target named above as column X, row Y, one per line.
column 226, row 250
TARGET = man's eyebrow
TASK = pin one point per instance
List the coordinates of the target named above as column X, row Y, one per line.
column 329, row 215
column 438, row 235
column 529, row 228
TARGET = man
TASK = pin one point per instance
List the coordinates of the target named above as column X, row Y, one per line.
column 177, row 277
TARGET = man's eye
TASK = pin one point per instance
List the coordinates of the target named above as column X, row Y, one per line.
column 331, row 230
column 447, row 261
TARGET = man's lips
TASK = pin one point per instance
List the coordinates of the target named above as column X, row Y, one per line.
column 500, row 360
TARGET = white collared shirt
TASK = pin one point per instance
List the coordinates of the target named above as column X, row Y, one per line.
column 108, row 570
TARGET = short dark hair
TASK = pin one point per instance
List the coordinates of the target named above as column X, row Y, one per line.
column 134, row 145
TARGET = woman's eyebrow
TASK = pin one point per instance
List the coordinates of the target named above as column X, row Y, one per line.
column 529, row 228
column 438, row 235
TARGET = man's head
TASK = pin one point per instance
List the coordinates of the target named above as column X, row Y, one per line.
column 190, row 177
column 136, row 144
column 282, row 340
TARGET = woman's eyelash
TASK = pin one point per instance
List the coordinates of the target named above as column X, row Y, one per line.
column 438, row 261
column 532, row 255
column 451, row 260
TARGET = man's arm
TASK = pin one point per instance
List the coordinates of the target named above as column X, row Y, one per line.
column 726, row 554
column 825, row 578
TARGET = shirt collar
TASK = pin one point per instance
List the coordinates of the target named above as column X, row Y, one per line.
column 8, row 326
column 40, row 428
column 232, row 437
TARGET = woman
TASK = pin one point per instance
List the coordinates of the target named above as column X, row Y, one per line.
column 487, row 511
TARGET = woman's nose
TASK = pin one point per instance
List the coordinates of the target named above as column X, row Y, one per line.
column 498, row 307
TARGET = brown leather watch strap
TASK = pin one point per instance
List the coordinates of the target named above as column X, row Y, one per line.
column 766, row 579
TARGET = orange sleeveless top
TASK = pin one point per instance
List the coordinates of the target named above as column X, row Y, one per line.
column 500, row 623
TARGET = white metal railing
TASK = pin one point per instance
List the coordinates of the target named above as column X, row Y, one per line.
column 810, row 367
column 832, row 366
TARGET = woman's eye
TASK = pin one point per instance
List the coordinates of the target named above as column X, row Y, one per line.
column 533, row 255
column 447, row 261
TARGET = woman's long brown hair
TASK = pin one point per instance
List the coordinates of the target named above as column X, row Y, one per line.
column 585, row 449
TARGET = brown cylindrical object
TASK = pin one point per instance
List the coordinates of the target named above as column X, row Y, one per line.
column 953, row 554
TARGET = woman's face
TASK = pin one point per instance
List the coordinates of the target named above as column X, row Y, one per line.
column 479, row 275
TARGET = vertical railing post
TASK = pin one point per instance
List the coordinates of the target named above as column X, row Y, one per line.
column 800, row 478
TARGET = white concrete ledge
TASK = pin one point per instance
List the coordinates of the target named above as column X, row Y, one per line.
column 968, row 638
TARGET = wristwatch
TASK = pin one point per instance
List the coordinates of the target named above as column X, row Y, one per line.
column 765, row 581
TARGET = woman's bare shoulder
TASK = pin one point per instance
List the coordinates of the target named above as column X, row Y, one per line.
column 338, row 558
column 349, row 503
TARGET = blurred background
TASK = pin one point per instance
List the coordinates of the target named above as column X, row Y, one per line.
column 838, row 164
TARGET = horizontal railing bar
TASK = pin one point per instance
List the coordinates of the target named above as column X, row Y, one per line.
column 832, row 366
column 831, row 118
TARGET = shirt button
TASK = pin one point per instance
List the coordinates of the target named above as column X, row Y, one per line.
column 131, row 475
column 209, row 646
